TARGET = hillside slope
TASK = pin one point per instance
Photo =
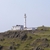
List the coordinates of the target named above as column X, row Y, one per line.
column 25, row 40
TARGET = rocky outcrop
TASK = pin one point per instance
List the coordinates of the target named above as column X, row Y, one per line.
column 1, row 47
column 14, row 34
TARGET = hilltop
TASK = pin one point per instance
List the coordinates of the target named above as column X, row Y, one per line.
column 38, row 39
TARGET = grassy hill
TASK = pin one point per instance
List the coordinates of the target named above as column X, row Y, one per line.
column 25, row 40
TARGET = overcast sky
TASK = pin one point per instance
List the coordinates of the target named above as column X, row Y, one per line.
column 12, row 13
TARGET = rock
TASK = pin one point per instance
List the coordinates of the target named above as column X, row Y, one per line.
column 29, row 37
column 44, row 39
column 23, row 36
column 44, row 45
column 1, row 47
column 2, row 39
column 18, row 45
column 37, row 48
column 11, row 48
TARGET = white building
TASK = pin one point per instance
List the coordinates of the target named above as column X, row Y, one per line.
column 18, row 27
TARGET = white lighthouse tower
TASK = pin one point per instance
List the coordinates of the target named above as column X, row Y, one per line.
column 25, row 20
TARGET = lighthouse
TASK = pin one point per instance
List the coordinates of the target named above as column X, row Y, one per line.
column 25, row 20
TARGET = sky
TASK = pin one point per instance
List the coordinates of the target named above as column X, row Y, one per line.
column 12, row 13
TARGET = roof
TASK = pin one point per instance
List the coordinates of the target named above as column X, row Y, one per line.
column 19, row 25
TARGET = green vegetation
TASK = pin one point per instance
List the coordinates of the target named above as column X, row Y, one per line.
column 38, row 40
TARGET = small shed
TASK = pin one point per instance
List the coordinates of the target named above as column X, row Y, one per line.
column 31, row 28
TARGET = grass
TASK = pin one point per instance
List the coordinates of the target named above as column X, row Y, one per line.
column 25, row 45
